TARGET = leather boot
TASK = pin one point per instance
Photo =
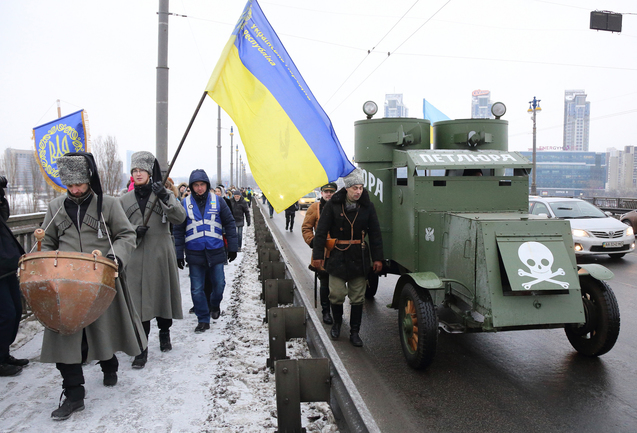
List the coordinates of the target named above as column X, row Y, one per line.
column 337, row 312
column 164, row 341
column 140, row 360
column 355, row 325
column 325, row 305
column 74, row 402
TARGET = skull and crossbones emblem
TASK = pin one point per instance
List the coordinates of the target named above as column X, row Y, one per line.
column 429, row 234
column 539, row 259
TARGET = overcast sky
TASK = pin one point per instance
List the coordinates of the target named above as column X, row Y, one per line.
column 102, row 57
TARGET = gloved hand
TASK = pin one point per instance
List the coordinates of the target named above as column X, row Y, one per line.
column 116, row 260
column 378, row 266
column 181, row 263
column 232, row 255
column 141, row 231
column 160, row 191
column 318, row 264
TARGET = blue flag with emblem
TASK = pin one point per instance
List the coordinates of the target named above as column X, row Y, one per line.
column 57, row 138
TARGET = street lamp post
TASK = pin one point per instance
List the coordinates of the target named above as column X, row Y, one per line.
column 219, row 145
column 231, row 173
column 534, row 107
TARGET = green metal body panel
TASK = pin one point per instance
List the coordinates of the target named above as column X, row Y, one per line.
column 375, row 142
column 498, row 291
column 598, row 272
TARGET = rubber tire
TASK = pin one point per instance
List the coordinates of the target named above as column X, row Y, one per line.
column 427, row 326
column 372, row 285
column 616, row 256
column 603, row 327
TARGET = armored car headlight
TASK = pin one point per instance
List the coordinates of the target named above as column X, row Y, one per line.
column 370, row 108
column 580, row 233
column 630, row 231
column 498, row 109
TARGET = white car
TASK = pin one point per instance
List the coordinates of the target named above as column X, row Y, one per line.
column 594, row 232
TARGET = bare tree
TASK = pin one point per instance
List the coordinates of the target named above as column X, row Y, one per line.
column 109, row 164
column 33, row 200
column 9, row 169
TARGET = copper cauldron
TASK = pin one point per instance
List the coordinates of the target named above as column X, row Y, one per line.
column 67, row 291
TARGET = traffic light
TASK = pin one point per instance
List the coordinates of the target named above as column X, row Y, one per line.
column 604, row 20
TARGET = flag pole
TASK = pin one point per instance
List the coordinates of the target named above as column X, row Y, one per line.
column 172, row 161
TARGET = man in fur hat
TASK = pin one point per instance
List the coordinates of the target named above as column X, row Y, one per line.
column 153, row 276
column 348, row 217
column 84, row 220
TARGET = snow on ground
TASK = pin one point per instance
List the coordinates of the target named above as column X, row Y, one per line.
column 216, row 381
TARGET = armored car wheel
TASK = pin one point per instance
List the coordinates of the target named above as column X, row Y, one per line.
column 417, row 326
column 372, row 285
column 599, row 334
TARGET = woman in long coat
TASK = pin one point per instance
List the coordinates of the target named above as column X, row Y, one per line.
column 153, row 277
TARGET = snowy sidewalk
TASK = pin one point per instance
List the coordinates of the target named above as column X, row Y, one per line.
column 216, row 381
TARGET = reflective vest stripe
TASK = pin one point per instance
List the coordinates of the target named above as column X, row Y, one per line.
column 196, row 229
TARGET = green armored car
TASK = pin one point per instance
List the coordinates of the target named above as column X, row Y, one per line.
column 456, row 228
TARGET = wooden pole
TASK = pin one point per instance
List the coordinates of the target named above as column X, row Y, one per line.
column 172, row 162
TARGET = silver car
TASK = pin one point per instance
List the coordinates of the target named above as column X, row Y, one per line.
column 594, row 232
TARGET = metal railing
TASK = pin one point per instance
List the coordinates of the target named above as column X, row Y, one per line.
column 616, row 205
column 23, row 226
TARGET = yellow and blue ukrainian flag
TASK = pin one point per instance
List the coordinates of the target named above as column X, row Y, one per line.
column 289, row 140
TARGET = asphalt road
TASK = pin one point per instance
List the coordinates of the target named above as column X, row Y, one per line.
column 521, row 381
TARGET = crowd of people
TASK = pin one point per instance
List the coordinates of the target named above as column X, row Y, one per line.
column 156, row 228
column 150, row 232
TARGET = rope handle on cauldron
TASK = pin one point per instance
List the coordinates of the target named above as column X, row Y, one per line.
column 38, row 231
column 108, row 235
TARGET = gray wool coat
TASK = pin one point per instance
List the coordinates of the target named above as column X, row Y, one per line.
column 153, row 277
column 119, row 327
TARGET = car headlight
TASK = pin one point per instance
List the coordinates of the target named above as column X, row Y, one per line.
column 630, row 231
column 580, row 233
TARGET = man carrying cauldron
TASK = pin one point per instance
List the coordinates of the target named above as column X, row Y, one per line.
column 82, row 221
column 153, row 277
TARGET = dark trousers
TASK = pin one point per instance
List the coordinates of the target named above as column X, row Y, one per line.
column 289, row 220
column 10, row 313
column 162, row 324
column 324, row 291
column 73, row 377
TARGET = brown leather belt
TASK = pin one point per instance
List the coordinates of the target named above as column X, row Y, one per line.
column 354, row 242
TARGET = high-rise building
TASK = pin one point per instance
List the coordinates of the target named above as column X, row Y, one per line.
column 394, row 106
column 622, row 169
column 577, row 119
column 481, row 104
column 21, row 169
